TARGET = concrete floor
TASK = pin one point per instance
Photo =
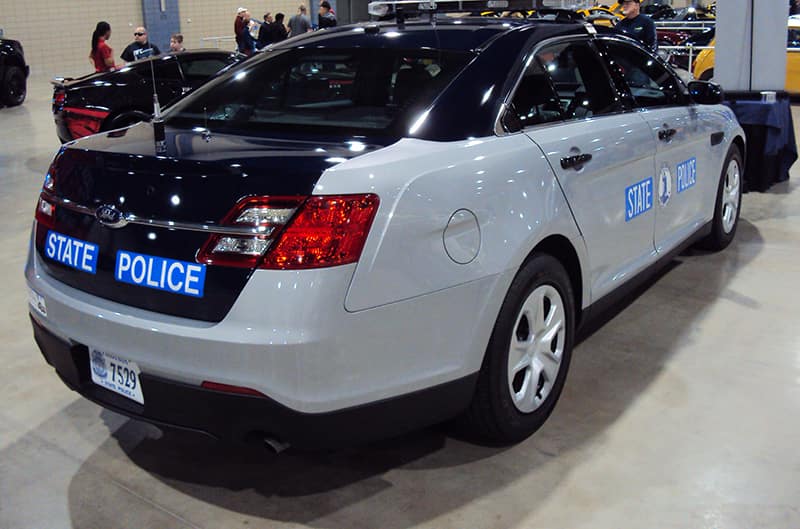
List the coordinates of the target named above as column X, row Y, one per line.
column 682, row 411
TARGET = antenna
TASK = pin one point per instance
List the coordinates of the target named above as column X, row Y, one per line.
column 159, row 136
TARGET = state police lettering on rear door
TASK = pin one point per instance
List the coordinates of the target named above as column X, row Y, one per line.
column 687, row 174
column 169, row 275
column 638, row 198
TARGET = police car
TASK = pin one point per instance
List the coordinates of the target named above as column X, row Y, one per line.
column 377, row 227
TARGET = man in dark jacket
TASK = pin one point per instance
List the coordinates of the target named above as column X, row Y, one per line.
column 636, row 25
column 264, row 32
column 326, row 18
column 278, row 31
column 140, row 47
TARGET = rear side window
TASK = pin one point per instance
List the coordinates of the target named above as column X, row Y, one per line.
column 583, row 88
column 202, row 68
column 163, row 69
column 361, row 90
column 650, row 82
column 535, row 100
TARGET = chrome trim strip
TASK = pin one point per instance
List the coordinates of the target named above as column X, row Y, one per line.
column 168, row 224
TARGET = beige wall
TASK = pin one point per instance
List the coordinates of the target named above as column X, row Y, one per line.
column 56, row 34
column 212, row 18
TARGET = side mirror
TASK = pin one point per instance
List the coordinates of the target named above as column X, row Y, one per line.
column 706, row 93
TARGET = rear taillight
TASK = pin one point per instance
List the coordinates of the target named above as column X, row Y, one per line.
column 59, row 97
column 292, row 232
column 45, row 209
column 327, row 231
column 253, row 224
column 45, row 213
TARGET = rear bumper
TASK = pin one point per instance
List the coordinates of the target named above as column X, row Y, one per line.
column 233, row 418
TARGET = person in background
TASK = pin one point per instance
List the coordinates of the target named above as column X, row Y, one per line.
column 326, row 17
column 299, row 23
column 140, row 47
column 238, row 23
column 264, row 31
column 277, row 30
column 176, row 42
column 636, row 25
column 245, row 43
column 101, row 55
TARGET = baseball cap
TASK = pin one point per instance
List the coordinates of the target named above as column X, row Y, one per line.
column 241, row 10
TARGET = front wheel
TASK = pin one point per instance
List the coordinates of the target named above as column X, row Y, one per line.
column 14, row 86
column 728, row 203
column 528, row 355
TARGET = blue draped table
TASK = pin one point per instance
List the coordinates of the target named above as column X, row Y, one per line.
column 771, row 147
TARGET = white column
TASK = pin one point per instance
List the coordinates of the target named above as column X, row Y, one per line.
column 750, row 49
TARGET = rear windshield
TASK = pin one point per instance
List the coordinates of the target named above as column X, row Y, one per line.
column 361, row 91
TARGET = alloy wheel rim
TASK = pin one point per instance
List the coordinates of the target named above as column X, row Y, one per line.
column 536, row 348
column 730, row 196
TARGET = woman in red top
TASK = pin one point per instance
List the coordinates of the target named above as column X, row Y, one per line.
column 101, row 55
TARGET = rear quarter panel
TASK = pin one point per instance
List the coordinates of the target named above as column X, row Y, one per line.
column 505, row 182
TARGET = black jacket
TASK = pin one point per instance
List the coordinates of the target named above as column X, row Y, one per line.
column 641, row 28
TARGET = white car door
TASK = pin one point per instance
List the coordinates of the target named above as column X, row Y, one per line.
column 602, row 156
column 684, row 170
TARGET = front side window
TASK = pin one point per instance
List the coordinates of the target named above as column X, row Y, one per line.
column 651, row 84
column 793, row 38
column 343, row 91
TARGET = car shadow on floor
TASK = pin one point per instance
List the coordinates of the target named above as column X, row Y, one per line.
column 428, row 474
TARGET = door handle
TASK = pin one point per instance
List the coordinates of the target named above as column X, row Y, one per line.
column 666, row 134
column 575, row 162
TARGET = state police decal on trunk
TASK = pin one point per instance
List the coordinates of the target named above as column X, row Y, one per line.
column 169, row 275
column 687, row 174
column 78, row 254
column 638, row 198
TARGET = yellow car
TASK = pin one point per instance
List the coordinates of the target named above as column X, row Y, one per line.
column 704, row 64
column 615, row 9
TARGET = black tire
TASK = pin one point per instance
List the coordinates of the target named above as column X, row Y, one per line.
column 493, row 414
column 725, row 221
column 14, row 86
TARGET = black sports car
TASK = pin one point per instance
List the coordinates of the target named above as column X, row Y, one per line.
column 110, row 100
column 13, row 73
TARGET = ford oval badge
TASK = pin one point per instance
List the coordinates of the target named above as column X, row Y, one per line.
column 110, row 216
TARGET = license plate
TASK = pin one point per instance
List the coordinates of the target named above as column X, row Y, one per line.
column 116, row 374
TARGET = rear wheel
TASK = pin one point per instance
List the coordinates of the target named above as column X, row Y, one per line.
column 528, row 355
column 728, row 203
column 14, row 86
